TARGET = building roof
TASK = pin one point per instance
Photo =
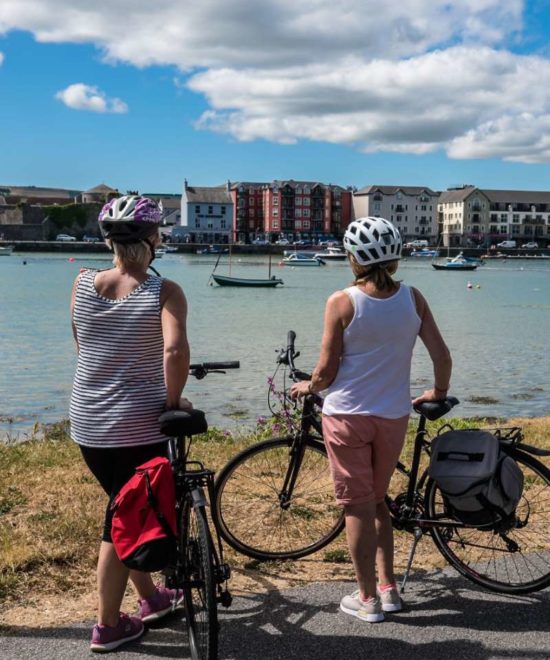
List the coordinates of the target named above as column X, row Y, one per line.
column 391, row 190
column 280, row 183
column 457, row 194
column 521, row 196
column 102, row 188
column 37, row 192
column 203, row 195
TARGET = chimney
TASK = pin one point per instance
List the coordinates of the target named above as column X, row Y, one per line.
column 228, row 185
column 185, row 184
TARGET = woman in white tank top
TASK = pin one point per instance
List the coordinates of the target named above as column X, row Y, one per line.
column 369, row 333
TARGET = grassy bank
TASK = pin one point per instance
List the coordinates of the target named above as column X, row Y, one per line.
column 51, row 511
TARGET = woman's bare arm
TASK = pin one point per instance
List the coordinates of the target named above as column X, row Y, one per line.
column 437, row 349
column 176, row 347
column 338, row 314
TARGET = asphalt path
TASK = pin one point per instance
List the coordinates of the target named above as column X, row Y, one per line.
column 445, row 618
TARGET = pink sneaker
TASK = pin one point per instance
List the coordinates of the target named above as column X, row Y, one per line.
column 108, row 638
column 161, row 603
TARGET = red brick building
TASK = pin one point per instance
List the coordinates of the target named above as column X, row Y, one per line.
column 296, row 210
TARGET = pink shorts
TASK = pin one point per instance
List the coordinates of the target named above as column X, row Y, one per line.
column 363, row 451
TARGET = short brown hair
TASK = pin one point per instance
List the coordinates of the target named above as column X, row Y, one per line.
column 380, row 274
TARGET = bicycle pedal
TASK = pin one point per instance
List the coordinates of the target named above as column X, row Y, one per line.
column 225, row 598
column 223, row 573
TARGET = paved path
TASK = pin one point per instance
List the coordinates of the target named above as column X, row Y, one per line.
column 446, row 618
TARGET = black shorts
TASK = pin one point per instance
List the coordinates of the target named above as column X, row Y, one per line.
column 113, row 467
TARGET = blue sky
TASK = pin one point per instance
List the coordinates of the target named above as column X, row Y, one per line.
column 457, row 92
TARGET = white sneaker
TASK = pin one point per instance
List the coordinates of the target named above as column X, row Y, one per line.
column 391, row 600
column 370, row 611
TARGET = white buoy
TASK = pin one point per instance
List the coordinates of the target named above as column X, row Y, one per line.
column 469, row 285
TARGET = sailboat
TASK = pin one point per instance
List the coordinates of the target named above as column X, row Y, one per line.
column 225, row 280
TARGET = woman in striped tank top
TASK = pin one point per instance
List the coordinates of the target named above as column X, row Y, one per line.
column 369, row 334
column 133, row 361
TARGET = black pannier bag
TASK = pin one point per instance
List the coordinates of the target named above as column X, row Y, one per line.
column 481, row 485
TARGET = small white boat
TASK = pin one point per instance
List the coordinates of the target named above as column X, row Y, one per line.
column 159, row 253
column 332, row 254
column 301, row 259
column 6, row 250
column 170, row 248
column 425, row 253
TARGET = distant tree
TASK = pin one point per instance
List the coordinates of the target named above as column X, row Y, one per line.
column 132, row 192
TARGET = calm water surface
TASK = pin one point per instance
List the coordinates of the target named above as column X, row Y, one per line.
column 498, row 333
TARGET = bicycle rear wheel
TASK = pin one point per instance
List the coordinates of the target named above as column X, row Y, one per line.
column 199, row 587
column 254, row 513
column 515, row 560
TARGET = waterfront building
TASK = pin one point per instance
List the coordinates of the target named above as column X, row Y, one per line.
column 286, row 209
column 413, row 209
column 97, row 195
column 206, row 215
column 471, row 216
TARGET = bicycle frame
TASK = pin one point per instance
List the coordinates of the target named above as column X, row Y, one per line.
column 191, row 477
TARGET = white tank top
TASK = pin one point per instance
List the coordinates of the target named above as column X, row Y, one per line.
column 374, row 373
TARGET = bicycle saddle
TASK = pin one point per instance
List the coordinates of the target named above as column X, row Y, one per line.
column 433, row 410
column 183, row 423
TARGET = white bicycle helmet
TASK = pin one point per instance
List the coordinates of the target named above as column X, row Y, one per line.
column 372, row 241
column 130, row 219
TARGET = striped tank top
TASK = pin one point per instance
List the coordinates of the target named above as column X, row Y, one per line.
column 118, row 390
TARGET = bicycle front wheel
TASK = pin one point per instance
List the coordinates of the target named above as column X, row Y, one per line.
column 261, row 517
column 199, row 587
column 514, row 560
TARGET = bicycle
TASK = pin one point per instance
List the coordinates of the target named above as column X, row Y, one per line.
column 284, row 486
column 198, row 569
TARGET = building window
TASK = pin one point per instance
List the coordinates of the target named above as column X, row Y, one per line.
column 222, row 209
column 298, row 224
column 210, row 210
column 298, row 201
column 210, row 225
column 307, row 201
column 377, row 206
column 275, row 212
column 398, row 218
column 305, row 213
column 298, row 213
column 306, row 224
column 275, row 224
column 197, row 223
column 222, row 224
column 275, row 201
column 252, row 201
column 306, row 190
column 197, row 209
column 251, row 212
column 298, row 190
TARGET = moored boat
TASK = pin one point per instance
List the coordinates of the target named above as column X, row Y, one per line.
column 301, row 259
column 6, row 250
column 223, row 280
column 425, row 253
column 331, row 254
column 455, row 265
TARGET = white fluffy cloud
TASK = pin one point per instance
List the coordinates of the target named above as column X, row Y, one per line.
column 1, row 58
column 411, row 76
column 87, row 97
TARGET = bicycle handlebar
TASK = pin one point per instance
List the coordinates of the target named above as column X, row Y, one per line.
column 200, row 370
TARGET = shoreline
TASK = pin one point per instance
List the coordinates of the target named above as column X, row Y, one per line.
column 51, row 510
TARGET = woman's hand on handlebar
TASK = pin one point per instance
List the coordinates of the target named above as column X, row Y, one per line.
column 300, row 390
column 429, row 395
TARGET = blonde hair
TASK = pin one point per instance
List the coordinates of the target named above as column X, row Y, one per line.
column 380, row 274
column 133, row 254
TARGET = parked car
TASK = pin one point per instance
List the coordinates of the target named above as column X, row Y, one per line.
column 531, row 245
column 91, row 239
column 506, row 244
column 282, row 241
column 65, row 237
column 260, row 241
column 417, row 243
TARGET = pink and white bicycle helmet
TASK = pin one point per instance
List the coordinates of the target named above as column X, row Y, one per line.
column 372, row 241
column 130, row 219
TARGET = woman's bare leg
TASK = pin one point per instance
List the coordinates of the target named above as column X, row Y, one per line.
column 384, row 551
column 112, row 577
column 362, row 542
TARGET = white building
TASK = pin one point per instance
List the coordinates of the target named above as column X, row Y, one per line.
column 206, row 215
column 412, row 209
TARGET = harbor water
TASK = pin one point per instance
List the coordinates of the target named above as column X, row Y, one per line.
column 496, row 329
